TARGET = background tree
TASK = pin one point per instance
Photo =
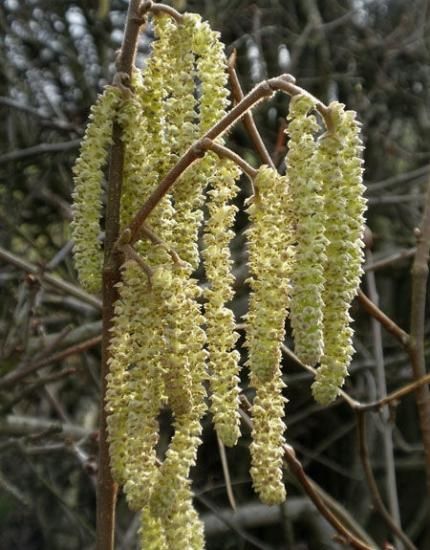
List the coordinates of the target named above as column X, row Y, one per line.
column 55, row 57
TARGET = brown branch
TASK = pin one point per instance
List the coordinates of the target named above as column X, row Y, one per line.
column 391, row 327
column 394, row 396
column 39, row 383
column 158, row 9
column 262, row 91
column 416, row 347
column 106, row 487
column 248, row 119
column 373, row 487
column 390, row 260
column 225, row 152
column 16, row 376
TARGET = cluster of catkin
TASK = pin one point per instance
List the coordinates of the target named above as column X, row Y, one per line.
column 170, row 337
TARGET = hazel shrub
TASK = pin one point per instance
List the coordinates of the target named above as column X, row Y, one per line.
column 173, row 338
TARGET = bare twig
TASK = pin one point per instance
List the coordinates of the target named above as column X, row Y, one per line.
column 374, row 491
column 387, row 432
column 226, row 472
column 225, row 152
column 40, row 149
column 418, row 305
column 374, row 311
column 50, row 279
column 16, row 376
column 389, row 260
column 248, row 119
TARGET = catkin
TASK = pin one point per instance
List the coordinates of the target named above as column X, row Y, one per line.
column 270, row 240
column 220, row 322
column 87, row 196
column 306, row 189
column 345, row 205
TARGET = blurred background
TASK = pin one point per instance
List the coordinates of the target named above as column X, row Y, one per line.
column 55, row 57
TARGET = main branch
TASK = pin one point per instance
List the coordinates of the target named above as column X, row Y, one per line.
column 106, row 487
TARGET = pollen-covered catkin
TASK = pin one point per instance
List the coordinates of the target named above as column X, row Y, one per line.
column 182, row 452
column 220, row 322
column 270, row 250
column 87, row 196
column 307, row 278
column 148, row 153
column 270, row 240
column 345, row 206
column 211, row 74
column 268, row 439
column 133, row 434
column 151, row 532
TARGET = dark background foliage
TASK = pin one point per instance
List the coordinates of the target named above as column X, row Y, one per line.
column 55, row 57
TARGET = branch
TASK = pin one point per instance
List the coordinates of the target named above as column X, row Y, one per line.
column 40, row 149
column 157, row 9
column 373, row 487
column 262, row 91
column 391, row 327
column 225, row 152
column 16, row 376
column 416, row 348
column 248, row 119
column 106, row 487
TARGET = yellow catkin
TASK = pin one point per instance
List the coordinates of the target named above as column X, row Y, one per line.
column 87, row 196
column 210, row 71
column 307, row 279
column 345, row 206
column 268, row 438
column 147, row 151
column 141, row 383
column 182, row 452
column 270, row 240
column 151, row 532
column 220, row 322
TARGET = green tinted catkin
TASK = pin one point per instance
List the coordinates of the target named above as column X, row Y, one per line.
column 220, row 322
column 307, row 278
column 87, row 196
column 345, row 206
column 270, row 240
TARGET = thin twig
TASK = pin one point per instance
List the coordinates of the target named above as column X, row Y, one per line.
column 225, row 152
column 396, row 395
column 390, row 260
column 50, row 279
column 226, row 472
column 40, row 149
column 248, row 119
column 39, row 383
column 391, row 327
column 16, row 376
column 387, row 431
column 373, row 487
column 418, row 307
column 157, row 9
